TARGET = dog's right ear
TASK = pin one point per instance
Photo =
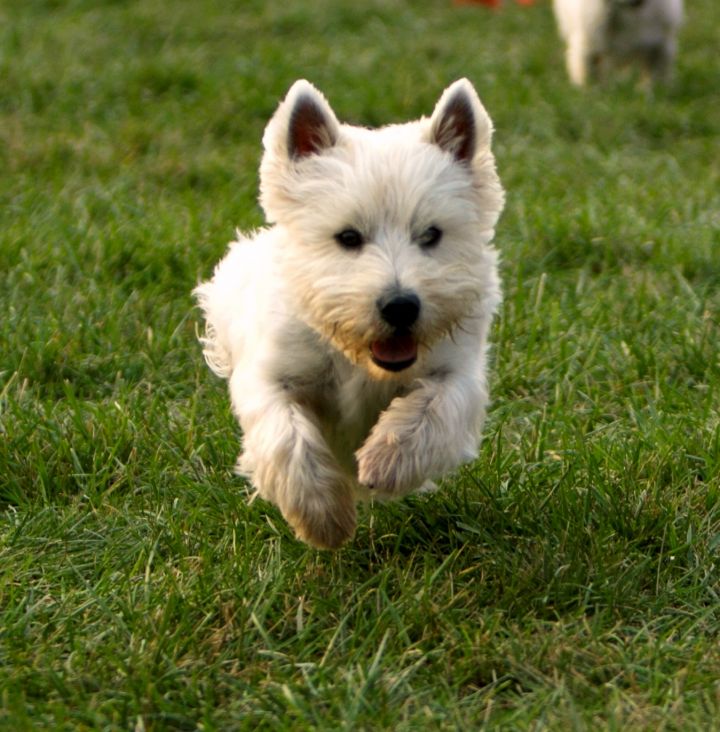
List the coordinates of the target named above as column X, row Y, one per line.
column 460, row 125
column 303, row 125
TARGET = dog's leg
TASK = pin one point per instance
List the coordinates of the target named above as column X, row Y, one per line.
column 658, row 62
column 423, row 435
column 577, row 59
column 289, row 463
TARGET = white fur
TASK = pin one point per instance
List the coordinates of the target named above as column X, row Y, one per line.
column 290, row 314
column 598, row 33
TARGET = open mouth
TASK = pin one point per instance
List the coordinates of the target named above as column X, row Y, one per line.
column 395, row 353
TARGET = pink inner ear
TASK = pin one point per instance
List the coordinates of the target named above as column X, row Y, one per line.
column 309, row 131
column 456, row 129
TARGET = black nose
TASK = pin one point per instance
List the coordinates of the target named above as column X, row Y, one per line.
column 400, row 311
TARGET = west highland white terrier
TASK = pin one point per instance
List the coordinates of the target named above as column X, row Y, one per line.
column 601, row 33
column 353, row 331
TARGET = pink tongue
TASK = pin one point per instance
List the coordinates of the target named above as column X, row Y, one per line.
column 395, row 349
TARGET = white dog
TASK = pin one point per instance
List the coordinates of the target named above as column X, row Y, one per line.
column 353, row 331
column 603, row 32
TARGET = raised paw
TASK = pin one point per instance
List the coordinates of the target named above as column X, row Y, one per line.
column 387, row 467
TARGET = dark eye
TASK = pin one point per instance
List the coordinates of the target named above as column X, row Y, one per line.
column 349, row 239
column 430, row 237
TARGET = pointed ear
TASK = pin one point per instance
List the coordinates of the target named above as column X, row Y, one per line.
column 460, row 125
column 303, row 125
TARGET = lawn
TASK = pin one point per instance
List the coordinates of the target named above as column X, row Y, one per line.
column 568, row 579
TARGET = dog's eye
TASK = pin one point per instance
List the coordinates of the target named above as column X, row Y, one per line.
column 430, row 237
column 349, row 239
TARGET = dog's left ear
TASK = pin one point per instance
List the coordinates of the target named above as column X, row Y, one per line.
column 460, row 125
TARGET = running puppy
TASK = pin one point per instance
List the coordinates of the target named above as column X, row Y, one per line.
column 353, row 330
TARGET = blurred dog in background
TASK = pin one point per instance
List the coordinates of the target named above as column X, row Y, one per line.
column 606, row 33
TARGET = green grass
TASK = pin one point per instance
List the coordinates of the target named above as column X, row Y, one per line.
column 569, row 579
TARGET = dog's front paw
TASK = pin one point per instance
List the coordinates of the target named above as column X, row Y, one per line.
column 326, row 524
column 387, row 467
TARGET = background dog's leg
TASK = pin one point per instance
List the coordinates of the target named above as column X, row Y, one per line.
column 658, row 62
column 577, row 60
column 289, row 463
column 423, row 435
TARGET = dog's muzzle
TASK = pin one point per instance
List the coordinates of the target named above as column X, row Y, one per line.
column 398, row 351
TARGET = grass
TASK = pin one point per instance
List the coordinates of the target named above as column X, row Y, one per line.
column 568, row 579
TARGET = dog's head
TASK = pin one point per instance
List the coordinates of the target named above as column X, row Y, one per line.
column 386, row 231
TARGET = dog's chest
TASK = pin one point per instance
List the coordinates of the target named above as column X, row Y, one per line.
column 344, row 400
column 348, row 405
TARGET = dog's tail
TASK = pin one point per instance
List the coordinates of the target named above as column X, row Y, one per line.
column 216, row 354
